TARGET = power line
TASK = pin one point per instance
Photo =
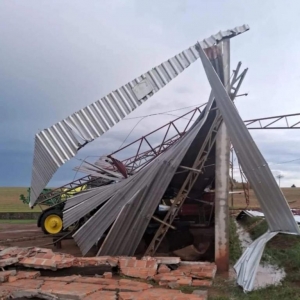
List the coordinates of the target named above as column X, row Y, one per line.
column 285, row 162
column 137, row 123
column 150, row 115
column 164, row 112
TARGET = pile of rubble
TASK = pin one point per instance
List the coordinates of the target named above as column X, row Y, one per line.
column 130, row 278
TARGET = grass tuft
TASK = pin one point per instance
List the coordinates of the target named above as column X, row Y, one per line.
column 235, row 250
column 283, row 250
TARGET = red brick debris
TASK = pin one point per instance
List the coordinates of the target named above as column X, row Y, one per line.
column 41, row 258
column 88, row 288
column 168, row 272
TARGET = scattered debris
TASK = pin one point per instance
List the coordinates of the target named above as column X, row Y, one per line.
column 5, row 275
column 30, row 284
column 124, row 207
column 188, row 253
column 145, row 268
column 267, row 274
column 162, row 269
column 255, row 213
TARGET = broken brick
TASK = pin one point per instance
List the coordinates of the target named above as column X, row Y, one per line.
column 4, row 275
column 45, row 255
column 158, row 294
column 24, row 275
column 107, row 275
column 127, row 262
column 134, row 286
column 198, row 269
column 67, row 279
column 168, row 277
column 163, row 269
column 49, row 286
column 5, row 291
column 95, row 280
column 64, row 263
column 112, row 261
column 201, row 282
column 103, row 295
column 38, row 263
column 164, row 283
column 168, row 260
column 13, row 252
column 93, row 261
column 28, row 283
column 184, row 281
column 151, row 262
column 8, row 262
column 31, row 293
column 75, row 290
column 2, row 248
column 145, row 268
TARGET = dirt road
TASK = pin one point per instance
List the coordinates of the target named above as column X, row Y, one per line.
column 28, row 235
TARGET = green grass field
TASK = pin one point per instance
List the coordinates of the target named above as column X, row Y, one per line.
column 10, row 200
column 17, row 222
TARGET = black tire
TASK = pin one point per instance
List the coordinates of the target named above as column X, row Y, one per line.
column 45, row 215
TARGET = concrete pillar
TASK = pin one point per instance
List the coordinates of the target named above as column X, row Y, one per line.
column 222, row 178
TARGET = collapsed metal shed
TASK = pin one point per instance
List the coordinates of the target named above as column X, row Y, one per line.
column 195, row 147
column 120, row 212
column 156, row 177
column 57, row 144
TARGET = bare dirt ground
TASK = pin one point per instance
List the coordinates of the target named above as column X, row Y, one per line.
column 29, row 235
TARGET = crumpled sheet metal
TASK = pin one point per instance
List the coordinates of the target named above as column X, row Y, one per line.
column 246, row 267
column 80, row 205
column 113, row 245
column 269, row 195
column 156, row 177
column 57, row 144
column 275, row 207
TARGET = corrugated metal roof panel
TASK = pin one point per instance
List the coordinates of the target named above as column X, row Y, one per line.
column 157, row 177
column 206, row 121
column 269, row 195
column 158, row 187
column 60, row 142
column 77, row 199
column 158, row 180
column 89, row 202
column 112, row 245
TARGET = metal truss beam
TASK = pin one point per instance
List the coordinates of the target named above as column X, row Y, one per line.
column 272, row 122
column 143, row 158
column 195, row 170
column 186, row 187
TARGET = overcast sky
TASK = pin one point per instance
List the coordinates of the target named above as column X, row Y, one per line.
column 59, row 56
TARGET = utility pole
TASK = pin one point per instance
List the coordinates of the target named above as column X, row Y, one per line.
column 222, row 177
column 279, row 177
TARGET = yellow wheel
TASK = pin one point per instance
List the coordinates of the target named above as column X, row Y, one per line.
column 52, row 222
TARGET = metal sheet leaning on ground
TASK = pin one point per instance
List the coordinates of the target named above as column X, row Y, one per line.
column 275, row 207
